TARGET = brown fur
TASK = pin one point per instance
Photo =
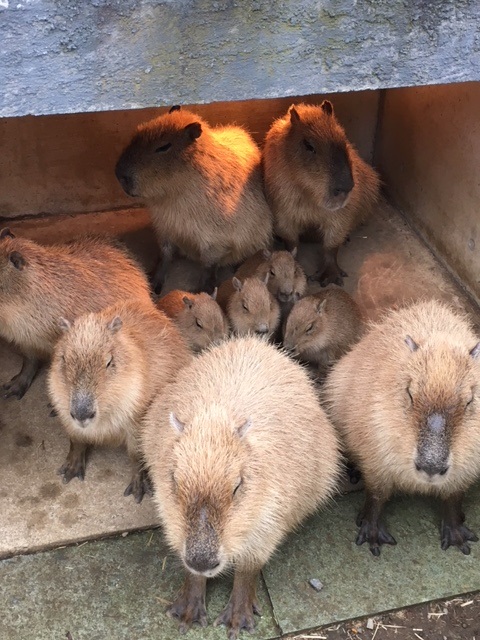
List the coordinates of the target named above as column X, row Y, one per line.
column 204, row 193
column 286, row 281
column 220, row 482
column 249, row 305
column 122, row 356
column 56, row 281
column 382, row 394
column 322, row 327
column 198, row 316
column 300, row 184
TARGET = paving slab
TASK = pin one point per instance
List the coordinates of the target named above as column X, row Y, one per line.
column 116, row 589
column 357, row 584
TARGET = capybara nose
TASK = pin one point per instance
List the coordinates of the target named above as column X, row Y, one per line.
column 285, row 296
column 262, row 329
column 126, row 181
column 202, row 563
column 431, row 469
column 343, row 185
column 82, row 407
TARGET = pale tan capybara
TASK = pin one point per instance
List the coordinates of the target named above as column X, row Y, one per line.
column 250, row 307
column 219, row 445
column 203, row 187
column 406, row 402
column 316, row 183
column 322, row 327
column 198, row 316
column 106, row 369
column 39, row 284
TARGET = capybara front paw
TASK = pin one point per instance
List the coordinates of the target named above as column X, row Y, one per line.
column 457, row 536
column 238, row 616
column 71, row 470
column 188, row 610
column 332, row 276
column 375, row 534
column 16, row 387
column 139, row 486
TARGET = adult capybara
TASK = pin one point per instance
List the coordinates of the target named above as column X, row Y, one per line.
column 198, row 316
column 203, row 187
column 219, row 445
column 40, row 284
column 405, row 399
column 106, row 369
column 316, row 183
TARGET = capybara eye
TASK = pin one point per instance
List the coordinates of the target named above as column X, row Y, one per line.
column 238, row 484
column 309, row 146
column 470, row 401
column 165, row 147
column 410, row 395
column 245, row 306
column 272, row 272
column 198, row 323
column 109, row 362
column 309, row 329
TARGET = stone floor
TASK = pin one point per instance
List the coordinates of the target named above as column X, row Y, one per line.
column 118, row 588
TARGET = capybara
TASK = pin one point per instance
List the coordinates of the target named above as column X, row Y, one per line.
column 106, row 369
column 286, row 278
column 249, row 305
column 198, row 316
column 203, row 187
column 39, row 284
column 316, row 183
column 239, row 451
column 322, row 327
column 405, row 399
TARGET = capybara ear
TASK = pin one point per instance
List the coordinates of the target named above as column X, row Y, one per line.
column 213, row 295
column 17, row 260
column 294, row 117
column 320, row 308
column 193, row 130
column 6, row 233
column 266, row 278
column 115, row 325
column 177, row 425
column 64, row 324
column 237, row 284
column 188, row 302
column 475, row 352
column 294, row 252
column 411, row 344
column 267, row 254
column 243, row 428
column 175, row 107
column 327, row 107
